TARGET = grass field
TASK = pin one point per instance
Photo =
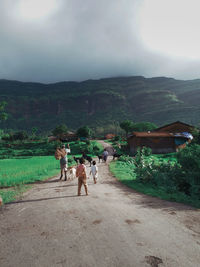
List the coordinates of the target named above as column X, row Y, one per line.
column 125, row 173
column 28, row 162
column 22, row 171
column 16, row 173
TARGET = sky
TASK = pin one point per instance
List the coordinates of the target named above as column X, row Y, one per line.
column 74, row 40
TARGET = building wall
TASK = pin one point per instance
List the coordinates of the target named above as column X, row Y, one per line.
column 159, row 145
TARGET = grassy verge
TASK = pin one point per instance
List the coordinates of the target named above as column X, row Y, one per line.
column 10, row 194
column 125, row 174
column 16, row 173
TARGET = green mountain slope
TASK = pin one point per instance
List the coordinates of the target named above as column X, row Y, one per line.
column 100, row 102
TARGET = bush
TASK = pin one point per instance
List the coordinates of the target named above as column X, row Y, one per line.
column 183, row 176
column 22, row 135
column 59, row 130
column 189, row 159
column 117, row 138
column 84, row 132
column 127, row 159
column 7, row 137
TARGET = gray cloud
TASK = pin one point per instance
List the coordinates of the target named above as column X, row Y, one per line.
column 81, row 40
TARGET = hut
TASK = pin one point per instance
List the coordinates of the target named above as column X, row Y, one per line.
column 66, row 137
column 159, row 142
column 69, row 136
column 109, row 136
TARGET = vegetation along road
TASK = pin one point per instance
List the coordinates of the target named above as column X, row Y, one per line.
column 113, row 226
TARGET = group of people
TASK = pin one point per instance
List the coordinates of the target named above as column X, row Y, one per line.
column 61, row 153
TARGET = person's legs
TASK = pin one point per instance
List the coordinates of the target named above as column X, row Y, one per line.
column 79, row 185
column 86, row 186
column 65, row 171
column 65, row 175
column 61, row 171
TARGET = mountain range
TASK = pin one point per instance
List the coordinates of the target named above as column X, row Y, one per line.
column 160, row 100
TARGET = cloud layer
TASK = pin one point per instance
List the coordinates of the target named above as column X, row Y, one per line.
column 79, row 40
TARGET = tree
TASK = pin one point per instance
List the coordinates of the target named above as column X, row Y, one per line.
column 60, row 130
column 127, row 126
column 22, row 135
column 3, row 115
column 34, row 131
column 84, row 132
column 144, row 126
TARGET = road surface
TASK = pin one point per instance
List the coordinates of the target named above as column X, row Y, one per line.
column 114, row 226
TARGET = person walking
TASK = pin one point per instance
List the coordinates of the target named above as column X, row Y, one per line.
column 82, row 177
column 64, row 160
column 94, row 171
column 105, row 155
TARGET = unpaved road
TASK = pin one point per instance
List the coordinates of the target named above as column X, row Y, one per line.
column 113, row 226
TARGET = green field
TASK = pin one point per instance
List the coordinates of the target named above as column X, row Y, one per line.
column 16, row 173
column 28, row 162
column 23, row 171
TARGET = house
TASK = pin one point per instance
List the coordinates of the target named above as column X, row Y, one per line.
column 109, row 136
column 67, row 137
column 175, row 127
column 159, row 142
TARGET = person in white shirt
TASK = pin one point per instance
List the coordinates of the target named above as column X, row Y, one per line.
column 94, row 171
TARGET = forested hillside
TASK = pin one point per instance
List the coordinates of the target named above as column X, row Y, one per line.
column 100, row 102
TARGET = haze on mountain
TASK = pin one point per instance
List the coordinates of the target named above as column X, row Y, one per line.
column 60, row 40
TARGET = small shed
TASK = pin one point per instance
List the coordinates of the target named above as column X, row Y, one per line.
column 175, row 127
column 66, row 137
column 110, row 136
column 159, row 142
column 69, row 136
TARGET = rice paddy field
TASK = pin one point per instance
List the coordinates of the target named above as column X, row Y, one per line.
column 15, row 174
column 22, row 171
column 22, row 164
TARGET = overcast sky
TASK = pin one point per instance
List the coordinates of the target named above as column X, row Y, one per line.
column 57, row 40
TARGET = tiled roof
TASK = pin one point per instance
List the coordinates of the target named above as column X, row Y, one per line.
column 152, row 134
column 173, row 123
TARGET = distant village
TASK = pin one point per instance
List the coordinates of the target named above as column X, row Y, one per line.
column 166, row 139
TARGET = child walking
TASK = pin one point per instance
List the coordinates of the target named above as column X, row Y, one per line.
column 82, row 178
column 94, row 171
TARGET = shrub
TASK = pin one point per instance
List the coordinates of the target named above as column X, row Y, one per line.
column 127, row 159
column 189, row 159
column 117, row 138
column 183, row 176
column 59, row 130
column 22, row 135
column 84, row 132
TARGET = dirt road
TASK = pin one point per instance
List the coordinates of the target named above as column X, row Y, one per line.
column 113, row 226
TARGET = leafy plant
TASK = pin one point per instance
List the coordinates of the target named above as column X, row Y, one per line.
column 84, row 132
column 60, row 130
column 127, row 126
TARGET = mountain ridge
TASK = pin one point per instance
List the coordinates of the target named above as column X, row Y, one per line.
column 100, row 102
